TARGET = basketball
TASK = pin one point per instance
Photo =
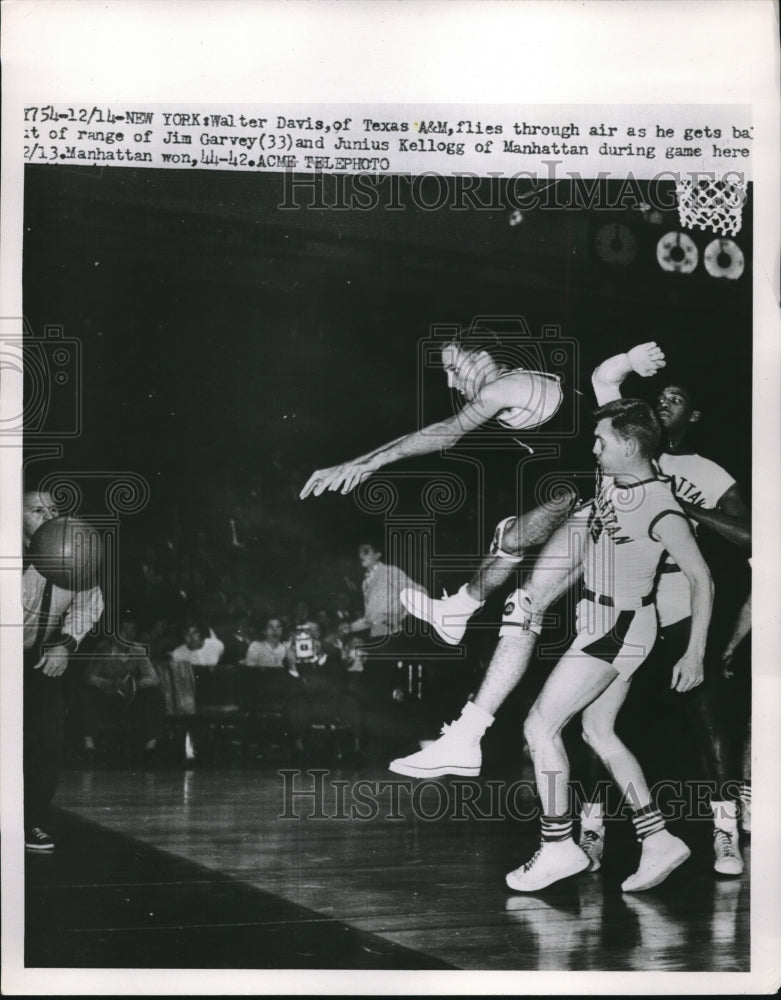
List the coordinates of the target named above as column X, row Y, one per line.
column 67, row 551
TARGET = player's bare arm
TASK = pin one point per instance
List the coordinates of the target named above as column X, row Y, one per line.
column 731, row 518
column 739, row 633
column 644, row 360
column 492, row 398
column 676, row 535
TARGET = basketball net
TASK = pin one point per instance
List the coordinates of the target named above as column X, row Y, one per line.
column 712, row 203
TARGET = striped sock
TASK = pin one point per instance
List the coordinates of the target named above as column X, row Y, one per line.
column 555, row 828
column 745, row 791
column 647, row 820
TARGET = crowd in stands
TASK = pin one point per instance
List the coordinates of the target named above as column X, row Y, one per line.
column 203, row 645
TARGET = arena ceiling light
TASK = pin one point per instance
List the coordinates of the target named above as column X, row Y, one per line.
column 724, row 259
column 616, row 244
column 676, row 251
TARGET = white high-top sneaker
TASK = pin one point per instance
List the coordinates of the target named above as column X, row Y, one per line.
column 449, row 616
column 457, row 751
column 726, row 840
column 661, row 854
column 553, row 861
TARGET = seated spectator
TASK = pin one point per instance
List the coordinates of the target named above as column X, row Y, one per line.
column 270, row 651
column 122, row 687
column 198, row 650
column 322, row 697
column 268, row 681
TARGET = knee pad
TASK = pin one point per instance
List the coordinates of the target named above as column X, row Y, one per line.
column 519, row 615
column 497, row 545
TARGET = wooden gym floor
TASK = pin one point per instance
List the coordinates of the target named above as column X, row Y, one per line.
column 199, row 869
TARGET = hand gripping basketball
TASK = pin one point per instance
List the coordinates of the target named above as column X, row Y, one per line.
column 67, row 552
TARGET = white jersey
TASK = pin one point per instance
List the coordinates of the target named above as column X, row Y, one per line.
column 539, row 397
column 623, row 552
column 698, row 481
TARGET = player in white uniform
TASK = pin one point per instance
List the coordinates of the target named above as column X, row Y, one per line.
column 633, row 521
column 458, row 751
column 709, row 495
column 518, row 399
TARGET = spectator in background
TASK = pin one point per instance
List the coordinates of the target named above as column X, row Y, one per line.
column 383, row 611
column 268, row 681
column 270, row 651
column 198, row 650
column 122, row 687
column 322, row 696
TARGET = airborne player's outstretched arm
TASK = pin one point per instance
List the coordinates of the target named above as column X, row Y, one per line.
column 492, row 398
column 644, row 359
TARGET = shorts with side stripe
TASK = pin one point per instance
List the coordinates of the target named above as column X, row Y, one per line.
column 621, row 637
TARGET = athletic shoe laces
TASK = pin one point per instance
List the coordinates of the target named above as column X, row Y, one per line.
column 590, row 838
column 724, row 843
column 532, row 860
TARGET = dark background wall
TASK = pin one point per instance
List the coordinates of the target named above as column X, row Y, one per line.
column 231, row 347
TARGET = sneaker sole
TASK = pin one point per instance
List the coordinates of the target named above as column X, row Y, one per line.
column 737, row 870
column 544, row 885
column 658, row 874
column 432, row 772
column 38, row 848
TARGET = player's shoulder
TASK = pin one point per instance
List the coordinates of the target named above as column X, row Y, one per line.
column 660, row 495
column 690, row 460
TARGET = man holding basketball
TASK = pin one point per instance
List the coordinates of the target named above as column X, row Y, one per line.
column 55, row 622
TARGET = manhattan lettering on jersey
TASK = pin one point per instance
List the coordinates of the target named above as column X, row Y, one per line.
column 694, row 479
column 623, row 551
column 604, row 517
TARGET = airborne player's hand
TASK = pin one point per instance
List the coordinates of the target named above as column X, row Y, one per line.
column 339, row 478
column 688, row 673
column 646, row 359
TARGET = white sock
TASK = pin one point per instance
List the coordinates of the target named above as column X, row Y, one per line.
column 725, row 815
column 592, row 816
column 471, row 604
column 475, row 720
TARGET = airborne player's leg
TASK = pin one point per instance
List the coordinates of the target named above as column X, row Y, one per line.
column 513, row 536
column 458, row 751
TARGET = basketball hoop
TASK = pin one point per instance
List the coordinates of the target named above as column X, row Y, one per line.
column 712, row 203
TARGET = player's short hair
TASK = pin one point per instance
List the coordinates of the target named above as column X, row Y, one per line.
column 635, row 419
column 473, row 340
